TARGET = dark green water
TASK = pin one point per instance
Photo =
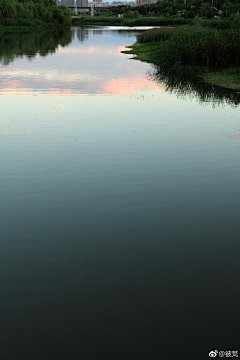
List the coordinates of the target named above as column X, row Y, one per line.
column 119, row 204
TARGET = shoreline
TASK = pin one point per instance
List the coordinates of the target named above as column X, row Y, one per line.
column 229, row 79
column 4, row 29
column 140, row 21
column 21, row 28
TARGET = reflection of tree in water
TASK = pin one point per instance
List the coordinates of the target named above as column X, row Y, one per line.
column 14, row 45
column 73, row 33
column 189, row 85
column 97, row 32
column 81, row 34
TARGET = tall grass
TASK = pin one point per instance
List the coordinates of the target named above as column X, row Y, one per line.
column 212, row 23
column 164, row 33
column 199, row 47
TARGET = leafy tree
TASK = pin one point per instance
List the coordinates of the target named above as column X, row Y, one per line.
column 136, row 14
column 45, row 11
column 129, row 15
column 206, row 8
column 229, row 8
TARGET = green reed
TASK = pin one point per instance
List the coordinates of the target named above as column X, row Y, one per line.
column 199, row 47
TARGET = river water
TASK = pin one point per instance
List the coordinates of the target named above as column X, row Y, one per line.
column 119, row 204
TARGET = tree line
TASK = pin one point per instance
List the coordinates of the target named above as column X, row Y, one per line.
column 33, row 13
column 186, row 9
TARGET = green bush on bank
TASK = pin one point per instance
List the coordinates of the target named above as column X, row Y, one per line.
column 37, row 12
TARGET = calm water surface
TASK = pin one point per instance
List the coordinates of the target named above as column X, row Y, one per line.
column 119, row 204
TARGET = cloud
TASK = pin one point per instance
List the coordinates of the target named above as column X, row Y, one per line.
column 234, row 137
column 7, row 129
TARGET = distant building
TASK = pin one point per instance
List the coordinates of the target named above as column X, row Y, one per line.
column 82, row 3
column 69, row 3
column 130, row 3
column 100, row 3
column 143, row 2
column 72, row 3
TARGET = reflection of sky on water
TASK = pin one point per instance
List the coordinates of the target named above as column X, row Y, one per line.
column 135, row 193
column 73, row 70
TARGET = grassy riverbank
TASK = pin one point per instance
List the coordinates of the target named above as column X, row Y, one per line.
column 210, row 53
column 115, row 21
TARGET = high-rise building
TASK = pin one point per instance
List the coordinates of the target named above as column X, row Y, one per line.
column 143, row 2
column 82, row 3
column 69, row 3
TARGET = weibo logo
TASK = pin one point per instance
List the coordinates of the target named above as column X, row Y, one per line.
column 213, row 353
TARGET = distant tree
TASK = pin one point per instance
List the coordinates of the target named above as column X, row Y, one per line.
column 41, row 2
column 229, row 8
column 206, row 8
column 136, row 14
column 129, row 14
